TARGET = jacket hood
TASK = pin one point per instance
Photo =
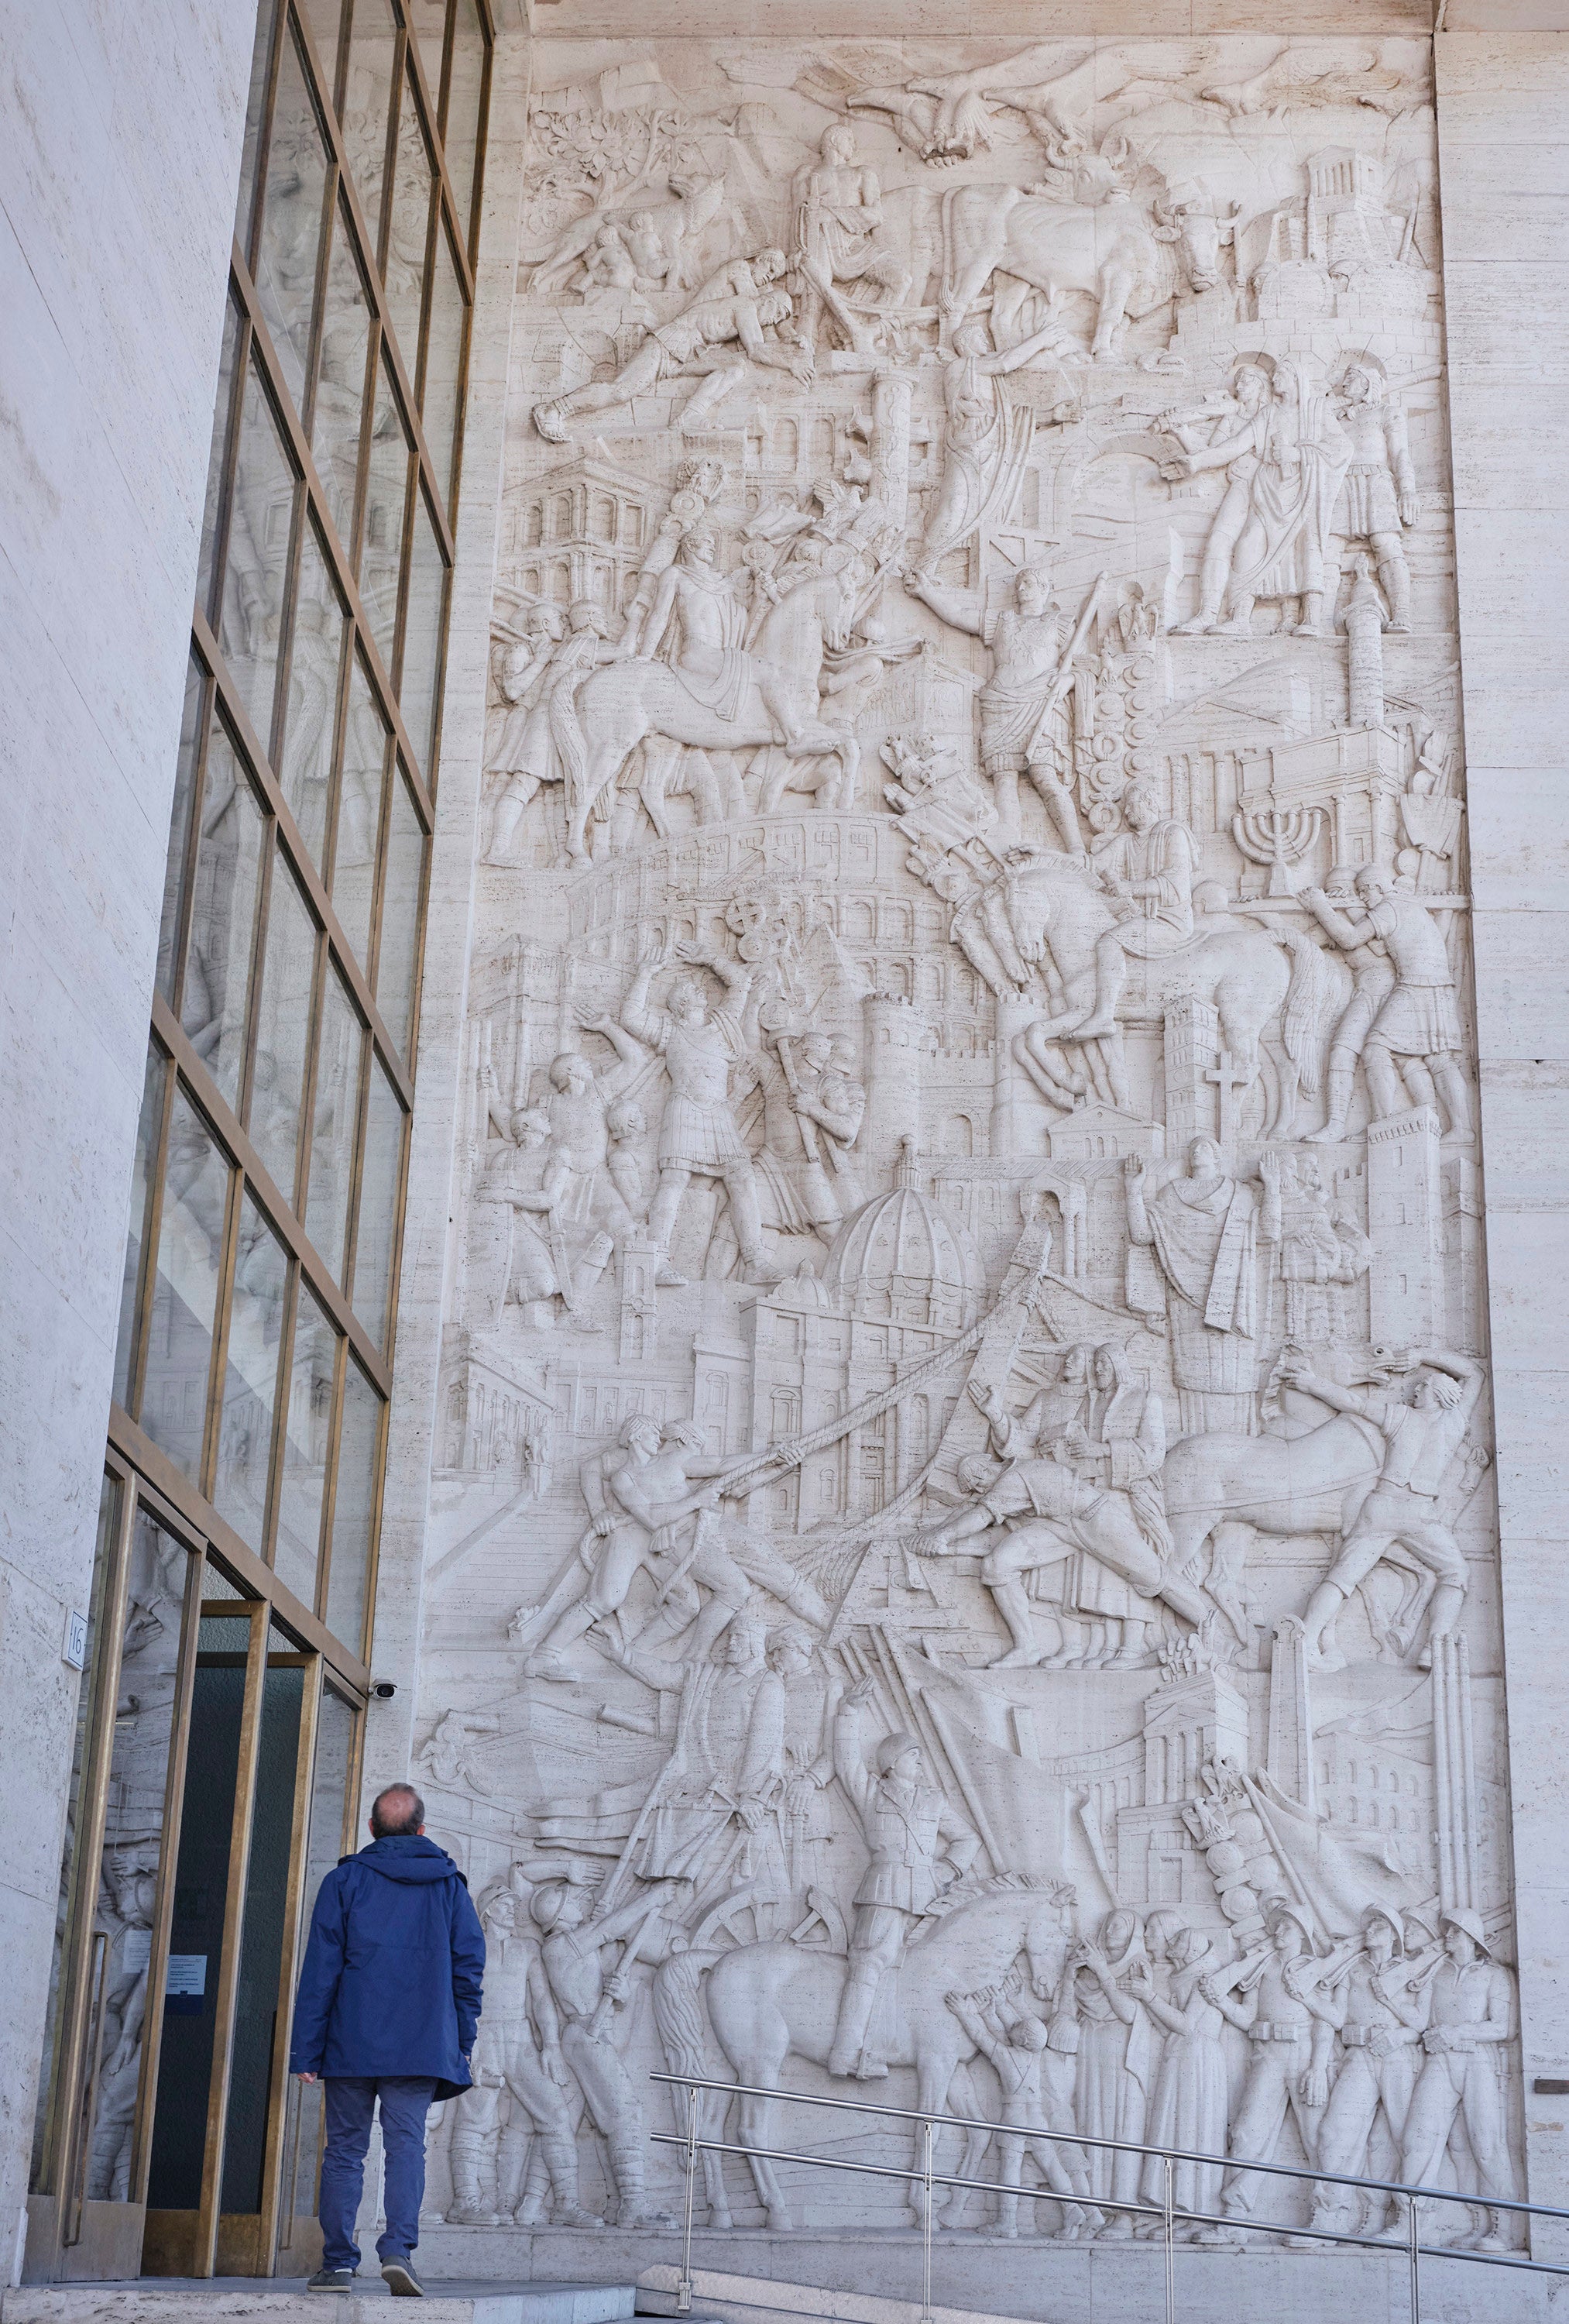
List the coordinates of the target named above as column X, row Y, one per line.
column 409, row 1857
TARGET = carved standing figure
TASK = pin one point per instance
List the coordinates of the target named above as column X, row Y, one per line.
column 838, row 233
column 1291, row 2044
column 1379, row 496
column 906, row 1823
column 985, row 437
column 1470, row 2013
column 1415, row 1035
column 1202, row 1229
column 1192, row 2100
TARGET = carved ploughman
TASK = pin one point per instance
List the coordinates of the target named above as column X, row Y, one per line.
column 903, row 1821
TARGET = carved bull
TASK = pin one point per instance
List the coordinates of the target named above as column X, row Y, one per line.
column 1111, row 248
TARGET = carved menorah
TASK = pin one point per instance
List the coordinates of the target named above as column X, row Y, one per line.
column 1279, row 836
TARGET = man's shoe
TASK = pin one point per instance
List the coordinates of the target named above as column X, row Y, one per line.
column 332, row 2279
column 399, row 2276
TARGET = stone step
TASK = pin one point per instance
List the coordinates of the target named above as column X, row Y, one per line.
column 284, row 2299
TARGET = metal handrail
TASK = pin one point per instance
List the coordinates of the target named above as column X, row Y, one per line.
column 694, row 2144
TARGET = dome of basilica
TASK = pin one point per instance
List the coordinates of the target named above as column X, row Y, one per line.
column 902, row 1256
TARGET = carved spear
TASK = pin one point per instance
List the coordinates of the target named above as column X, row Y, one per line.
column 1064, row 677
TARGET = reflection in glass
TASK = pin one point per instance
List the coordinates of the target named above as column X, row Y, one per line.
column 404, row 272
column 397, row 949
column 422, row 631
column 283, row 1027
column 249, row 1391
column 305, row 762
column 207, row 573
column 428, row 23
column 367, row 101
column 222, row 919
column 263, row 1925
column 75, row 1806
column 360, row 796
column 339, row 387
column 290, row 245
column 133, row 1847
column 178, row 861
column 334, row 1118
column 444, row 369
column 258, row 552
column 307, row 1433
column 266, row 18
column 460, row 136
column 377, row 1204
column 353, row 1508
column 148, row 1123
column 185, row 1290
column 386, row 497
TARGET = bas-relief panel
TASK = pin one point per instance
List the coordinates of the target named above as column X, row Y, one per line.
column 964, row 1562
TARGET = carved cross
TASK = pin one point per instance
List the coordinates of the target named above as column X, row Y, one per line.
column 1227, row 1081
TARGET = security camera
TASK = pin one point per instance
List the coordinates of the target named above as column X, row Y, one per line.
column 383, row 1689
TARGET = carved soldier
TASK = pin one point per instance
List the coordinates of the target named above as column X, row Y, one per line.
column 1289, row 2069
column 525, row 755
column 698, row 1137
column 697, row 483
column 909, row 1830
column 1470, row 2011
column 1017, row 2043
column 1371, row 2009
column 1423, row 1429
column 1417, row 1023
column 1379, row 495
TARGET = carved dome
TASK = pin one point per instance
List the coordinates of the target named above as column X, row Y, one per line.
column 904, row 1258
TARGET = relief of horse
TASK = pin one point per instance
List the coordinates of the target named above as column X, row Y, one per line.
column 778, row 702
column 774, row 2001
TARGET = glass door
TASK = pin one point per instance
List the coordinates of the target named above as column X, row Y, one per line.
column 212, row 1776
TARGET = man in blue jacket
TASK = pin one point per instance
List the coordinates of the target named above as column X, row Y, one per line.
column 387, row 2011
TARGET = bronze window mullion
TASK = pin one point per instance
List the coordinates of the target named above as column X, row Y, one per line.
column 190, row 1513
column 168, row 1859
column 279, row 34
column 269, row 851
column 290, row 1229
column 299, row 861
column 305, row 462
column 192, row 841
column 225, row 516
column 320, row 970
column 329, row 854
column 357, row 1171
column 373, row 1562
column 278, row 2075
column 395, row 1254
column 417, row 967
column 233, row 1940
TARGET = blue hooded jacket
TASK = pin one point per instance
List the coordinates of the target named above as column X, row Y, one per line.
column 394, row 1966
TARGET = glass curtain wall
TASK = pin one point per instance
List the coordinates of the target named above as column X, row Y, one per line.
column 259, row 1306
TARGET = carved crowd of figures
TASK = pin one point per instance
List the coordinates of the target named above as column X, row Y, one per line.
column 969, row 1191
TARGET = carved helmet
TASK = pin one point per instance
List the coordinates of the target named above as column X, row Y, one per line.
column 891, row 1750
column 1460, row 1916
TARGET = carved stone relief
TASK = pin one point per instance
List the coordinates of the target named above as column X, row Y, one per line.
column 963, row 1567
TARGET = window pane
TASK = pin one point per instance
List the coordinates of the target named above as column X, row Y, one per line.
column 397, row 949
column 405, row 268
column 185, row 1289
column 49, row 2098
column 134, row 1841
column 290, row 245
column 418, row 682
column 340, row 387
column 283, row 1028
column 367, row 100
column 223, row 920
column 386, row 497
column 378, row 1206
column 258, row 552
column 460, row 135
column 324, row 18
column 148, row 1124
column 305, row 762
column 442, row 366
column 178, row 861
column 334, row 1116
column 360, row 813
column 207, row 574
column 307, row 1433
column 353, row 1507
column 428, row 23
column 250, row 1377
column 267, row 16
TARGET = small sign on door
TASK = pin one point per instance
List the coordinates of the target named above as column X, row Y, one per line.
column 74, row 1649
column 185, row 1983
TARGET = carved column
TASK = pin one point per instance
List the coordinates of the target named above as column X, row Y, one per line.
column 1454, row 1774
column 891, row 399
column 1192, row 1038
column 1365, row 630
column 1290, row 1749
column 1405, row 1217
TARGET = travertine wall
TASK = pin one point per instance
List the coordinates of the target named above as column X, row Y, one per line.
column 962, row 1541
column 119, row 156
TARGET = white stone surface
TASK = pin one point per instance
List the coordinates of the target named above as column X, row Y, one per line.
column 843, row 996
column 119, row 155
